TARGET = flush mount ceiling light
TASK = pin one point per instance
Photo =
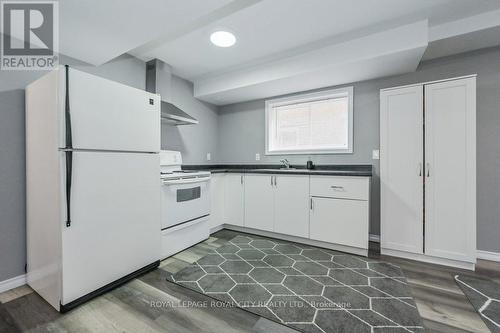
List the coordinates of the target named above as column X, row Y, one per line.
column 223, row 38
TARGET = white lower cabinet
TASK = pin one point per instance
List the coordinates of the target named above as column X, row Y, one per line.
column 340, row 221
column 340, row 210
column 234, row 199
column 318, row 209
column 259, row 201
column 217, row 189
column 278, row 203
column 291, row 205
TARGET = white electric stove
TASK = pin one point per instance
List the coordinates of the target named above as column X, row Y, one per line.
column 185, row 201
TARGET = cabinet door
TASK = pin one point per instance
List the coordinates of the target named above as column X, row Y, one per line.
column 340, row 221
column 291, row 205
column 450, row 182
column 401, row 169
column 217, row 200
column 259, row 202
column 233, row 203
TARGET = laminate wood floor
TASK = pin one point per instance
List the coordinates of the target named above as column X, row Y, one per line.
column 152, row 304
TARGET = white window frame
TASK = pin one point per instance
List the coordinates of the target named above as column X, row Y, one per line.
column 311, row 97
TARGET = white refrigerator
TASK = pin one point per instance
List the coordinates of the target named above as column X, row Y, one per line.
column 93, row 192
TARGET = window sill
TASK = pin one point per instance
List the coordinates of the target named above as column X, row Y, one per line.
column 310, row 152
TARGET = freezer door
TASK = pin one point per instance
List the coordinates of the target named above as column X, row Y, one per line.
column 106, row 115
column 115, row 219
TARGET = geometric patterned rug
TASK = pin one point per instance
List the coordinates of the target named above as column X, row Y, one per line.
column 307, row 288
column 485, row 297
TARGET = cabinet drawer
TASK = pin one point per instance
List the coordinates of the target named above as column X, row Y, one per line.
column 340, row 187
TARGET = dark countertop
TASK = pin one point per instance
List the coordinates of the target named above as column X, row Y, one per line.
column 358, row 170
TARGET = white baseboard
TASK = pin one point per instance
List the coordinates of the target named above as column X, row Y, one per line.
column 216, row 228
column 486, row 255
column 429, row 259
column 331, row 246
column 374, row 238
column 12, row 283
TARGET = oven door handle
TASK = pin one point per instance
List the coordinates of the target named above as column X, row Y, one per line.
column 185, row 181
column 186, row 224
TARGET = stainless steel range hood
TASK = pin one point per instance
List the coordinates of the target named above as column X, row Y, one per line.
column 159, row 81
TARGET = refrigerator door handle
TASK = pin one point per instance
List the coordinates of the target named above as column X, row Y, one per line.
column 69, row 173
column 69, row 153
column 67, row 114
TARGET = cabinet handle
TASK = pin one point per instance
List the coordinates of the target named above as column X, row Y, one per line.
column 275, row 182
column 311, row 203
column 241, row 179
column 420, row 169
column 272, row 180
column 335, row 187
column 428, row 167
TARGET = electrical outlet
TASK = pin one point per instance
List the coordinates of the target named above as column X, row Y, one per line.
column 209, row 156
column 257, row 157
column 375, row 154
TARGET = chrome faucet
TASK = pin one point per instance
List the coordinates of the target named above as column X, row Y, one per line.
column 285, row 163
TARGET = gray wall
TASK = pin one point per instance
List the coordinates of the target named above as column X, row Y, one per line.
column 12, row 184
column 193, row 141
column 125, row 69
column 241, row 133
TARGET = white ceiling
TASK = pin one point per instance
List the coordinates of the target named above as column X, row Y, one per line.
column 97, row 31
column 467, row 34
column 272, row 36
column 271, row 27
column 388, row 52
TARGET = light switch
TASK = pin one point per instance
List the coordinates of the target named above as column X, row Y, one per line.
column 376, row 154
column 209, row 156
column 257, row 157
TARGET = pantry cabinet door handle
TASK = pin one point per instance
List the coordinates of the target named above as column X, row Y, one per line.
column 420, row 169
column 335, row 187
column 275, row 182
column 428, row 167
column 311, row 203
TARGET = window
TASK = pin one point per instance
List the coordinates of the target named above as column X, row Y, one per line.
column 316, row 123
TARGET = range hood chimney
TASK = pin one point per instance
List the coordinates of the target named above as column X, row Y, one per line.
column 159, row 81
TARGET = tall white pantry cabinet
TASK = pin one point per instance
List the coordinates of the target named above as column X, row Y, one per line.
column 428, row 172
